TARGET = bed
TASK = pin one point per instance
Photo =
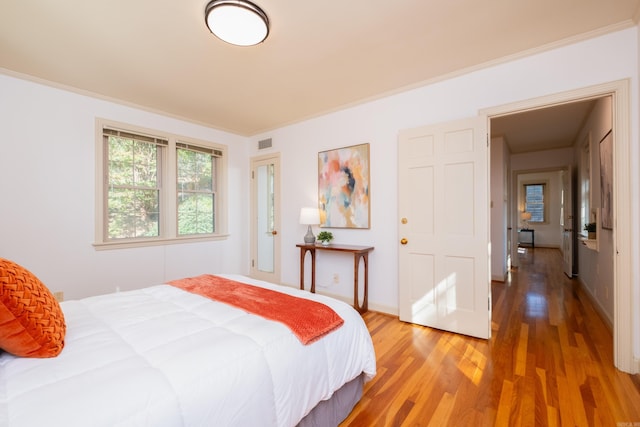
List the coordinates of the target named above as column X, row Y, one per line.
column 162, row 356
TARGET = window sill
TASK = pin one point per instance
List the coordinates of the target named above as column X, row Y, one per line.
column 589, row 243
column 103, row 246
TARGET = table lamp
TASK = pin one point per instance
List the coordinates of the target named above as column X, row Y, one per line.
column 525, row 217
column 309, row 216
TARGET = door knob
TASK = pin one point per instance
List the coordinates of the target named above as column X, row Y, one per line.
column 403, row 241
column 274, row 232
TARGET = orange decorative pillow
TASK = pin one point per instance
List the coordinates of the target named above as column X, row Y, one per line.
column 31, row 321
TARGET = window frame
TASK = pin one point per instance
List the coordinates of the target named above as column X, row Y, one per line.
column 545, row 198
column 168, row 205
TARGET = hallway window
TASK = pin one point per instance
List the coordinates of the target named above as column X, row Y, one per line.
column 535, row 201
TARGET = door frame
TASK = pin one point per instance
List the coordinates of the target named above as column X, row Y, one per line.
column 255, row 273
column 623, row 341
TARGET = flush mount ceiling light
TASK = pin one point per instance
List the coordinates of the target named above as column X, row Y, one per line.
column 238, row 22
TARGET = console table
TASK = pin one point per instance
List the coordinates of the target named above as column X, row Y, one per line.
column 358, row 253
column 533, row 236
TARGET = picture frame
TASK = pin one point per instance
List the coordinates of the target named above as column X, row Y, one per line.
column 344, row 187
column 606, row 181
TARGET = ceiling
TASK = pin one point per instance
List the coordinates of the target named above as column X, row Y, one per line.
column 320, row 56
column 542, row 129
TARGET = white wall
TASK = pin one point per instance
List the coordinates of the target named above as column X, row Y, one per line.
column 378, row 122
column 47, row 182
column 595, row 268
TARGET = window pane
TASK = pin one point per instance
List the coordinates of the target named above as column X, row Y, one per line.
column 534, row 201
column 132, row 163
column 120, row 161
column 145, row 164
column 194, row 171
column 195, row 213
column 133, row 213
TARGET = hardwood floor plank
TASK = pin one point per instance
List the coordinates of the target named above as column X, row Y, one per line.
column 521, row 351
column 443, row 411
column 505, row 408
column 548, row 363
column 552, row 417
column 564, row 403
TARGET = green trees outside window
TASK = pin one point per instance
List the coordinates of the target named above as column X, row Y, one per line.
column 133, row 195
column 135, row 187
column 196, row 197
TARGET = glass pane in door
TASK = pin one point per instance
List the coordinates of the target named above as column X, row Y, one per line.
column 265, row 217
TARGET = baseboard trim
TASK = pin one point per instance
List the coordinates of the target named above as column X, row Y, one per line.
column 497, row 278
column 372, row 306
column 393, row 311
column 596, row 305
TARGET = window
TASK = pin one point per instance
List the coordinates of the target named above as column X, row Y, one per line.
column 534, row 202
column 196, row 189
column 132, row 184
column 155, row 188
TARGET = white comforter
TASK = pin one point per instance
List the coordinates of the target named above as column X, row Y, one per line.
column 160, row 356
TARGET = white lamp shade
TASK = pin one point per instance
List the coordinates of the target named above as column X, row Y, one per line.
column 310, row 216
column 526, row 216
column 238, row 22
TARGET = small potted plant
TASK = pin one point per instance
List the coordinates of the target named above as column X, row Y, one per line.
column 325, row 237
column 591, row 230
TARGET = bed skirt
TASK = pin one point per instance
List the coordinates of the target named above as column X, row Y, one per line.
column 330, row 413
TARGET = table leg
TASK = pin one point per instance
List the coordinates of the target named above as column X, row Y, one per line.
column 313, row 270
column 356, row 273
column 303, row 253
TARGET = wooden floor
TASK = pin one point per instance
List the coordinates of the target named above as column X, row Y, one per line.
column 549, row 362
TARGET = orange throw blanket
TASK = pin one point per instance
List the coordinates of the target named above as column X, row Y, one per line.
column 308, row 320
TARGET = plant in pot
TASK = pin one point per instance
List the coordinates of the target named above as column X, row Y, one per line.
column 325, row 237
column 591, row 230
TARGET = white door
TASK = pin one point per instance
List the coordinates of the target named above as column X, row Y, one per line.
column 265, row 218
column 566, row 219
column 444, row 261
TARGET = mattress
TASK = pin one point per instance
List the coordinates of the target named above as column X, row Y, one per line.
column 160, row 356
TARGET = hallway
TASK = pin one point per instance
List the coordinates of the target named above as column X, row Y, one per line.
column 548, row 363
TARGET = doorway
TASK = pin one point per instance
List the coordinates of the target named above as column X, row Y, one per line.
column 622, row 324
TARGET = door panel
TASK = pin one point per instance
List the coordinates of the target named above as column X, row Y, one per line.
column 265, row 218
column 443, row 205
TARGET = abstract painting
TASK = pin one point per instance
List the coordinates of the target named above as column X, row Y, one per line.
column 343, row 187
column 606, row 181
